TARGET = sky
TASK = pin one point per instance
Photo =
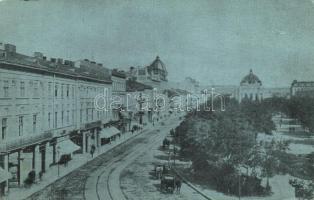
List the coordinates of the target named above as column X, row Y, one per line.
column 214, row 41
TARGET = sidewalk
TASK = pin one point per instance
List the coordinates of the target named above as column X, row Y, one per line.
column 77, row 161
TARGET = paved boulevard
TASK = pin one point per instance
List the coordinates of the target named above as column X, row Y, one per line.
column 99, row 178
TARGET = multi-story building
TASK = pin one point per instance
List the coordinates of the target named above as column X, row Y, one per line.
column 302, row 88
column 119, row 98
column 118, row 91
column 139, row 103
column 46, row 111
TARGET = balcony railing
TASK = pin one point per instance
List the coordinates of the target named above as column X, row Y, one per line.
column 25, row 141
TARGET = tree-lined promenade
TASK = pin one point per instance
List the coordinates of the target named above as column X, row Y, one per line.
column 224, row 149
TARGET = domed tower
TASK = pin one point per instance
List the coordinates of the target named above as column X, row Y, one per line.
column 157, row 70
column 251, row 79
column 251, row 88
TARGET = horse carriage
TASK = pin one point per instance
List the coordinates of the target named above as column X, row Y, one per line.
column 168, row 183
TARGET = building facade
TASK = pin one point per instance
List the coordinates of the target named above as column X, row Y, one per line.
column 302, row 88
column 139, row 102
column 47, row 111
column 250, row 88
column 154, row 75
column 118, row 91
column 119, row 97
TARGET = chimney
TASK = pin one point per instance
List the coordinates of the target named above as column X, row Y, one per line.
column 38, row 55
column 53, row 60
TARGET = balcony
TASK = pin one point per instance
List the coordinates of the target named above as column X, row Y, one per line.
column 25, row 141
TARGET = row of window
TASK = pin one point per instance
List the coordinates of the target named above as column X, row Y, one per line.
column 4, row 126
column 33, row 89
column 87, row 91
column 118, row 86
column 63, row 117
column 60, row 90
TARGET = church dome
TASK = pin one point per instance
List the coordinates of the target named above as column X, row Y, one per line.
column 158, row 64
column 251, row 79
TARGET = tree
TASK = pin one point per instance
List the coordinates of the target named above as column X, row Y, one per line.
column 302, row 190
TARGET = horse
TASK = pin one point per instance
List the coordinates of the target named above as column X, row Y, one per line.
column 178, row 184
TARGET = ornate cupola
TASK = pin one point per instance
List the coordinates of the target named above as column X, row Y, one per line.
column 251, row 79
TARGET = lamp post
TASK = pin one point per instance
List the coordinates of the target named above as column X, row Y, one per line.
column 141, row 100
column 58, row 153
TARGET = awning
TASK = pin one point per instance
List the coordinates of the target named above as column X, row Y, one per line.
column 109, row 132
column 4, row 175
column 66, row 147
column 125, row 115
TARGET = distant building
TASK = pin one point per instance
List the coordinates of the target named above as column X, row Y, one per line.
column 190, row 84
column 250, row 88
column 302, row 88
column 225, row 90
column 283, row 92
column 154, row 74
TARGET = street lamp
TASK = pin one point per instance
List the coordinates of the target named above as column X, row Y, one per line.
column 58, row 153
column 141, row 100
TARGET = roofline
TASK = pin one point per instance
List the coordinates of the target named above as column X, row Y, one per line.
column 36, row 70
column 117, row 74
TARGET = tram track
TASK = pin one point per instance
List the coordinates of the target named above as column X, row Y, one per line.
column 72, row 185
column 114, row 193
column 75, row 185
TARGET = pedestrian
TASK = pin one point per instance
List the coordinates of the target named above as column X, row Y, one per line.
column 92, row 150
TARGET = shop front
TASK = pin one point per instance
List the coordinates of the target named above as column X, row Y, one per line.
column 109, row 134
column 65, row 148
column 4, row 177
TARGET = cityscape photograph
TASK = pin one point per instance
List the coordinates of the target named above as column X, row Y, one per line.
column 156, row 100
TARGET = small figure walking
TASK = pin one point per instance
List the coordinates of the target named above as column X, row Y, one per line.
column 92, row 150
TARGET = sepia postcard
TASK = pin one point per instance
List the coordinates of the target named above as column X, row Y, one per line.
column 156, row 100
